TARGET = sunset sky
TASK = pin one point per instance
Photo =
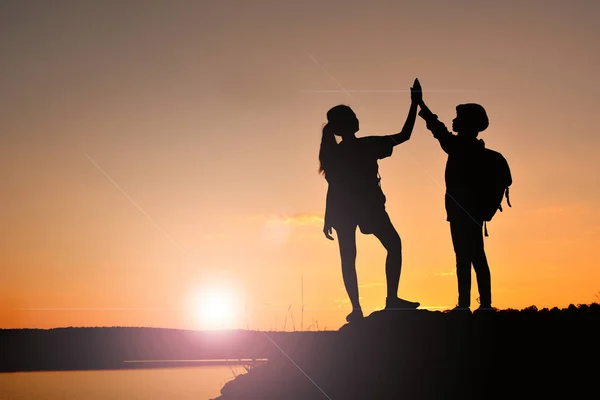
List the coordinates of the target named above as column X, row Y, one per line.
column 152, row 152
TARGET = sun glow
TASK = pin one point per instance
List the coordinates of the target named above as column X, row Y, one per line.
column 215, row 308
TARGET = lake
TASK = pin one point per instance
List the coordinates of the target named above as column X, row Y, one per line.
column 198, row 383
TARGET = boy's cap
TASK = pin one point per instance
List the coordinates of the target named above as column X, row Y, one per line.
column 475, row 114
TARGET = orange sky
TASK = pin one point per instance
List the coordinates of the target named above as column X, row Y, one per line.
column 154, row 150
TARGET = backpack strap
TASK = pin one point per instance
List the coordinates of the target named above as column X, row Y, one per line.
column 485, row 229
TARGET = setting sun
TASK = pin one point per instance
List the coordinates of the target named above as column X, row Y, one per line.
column 215, row 308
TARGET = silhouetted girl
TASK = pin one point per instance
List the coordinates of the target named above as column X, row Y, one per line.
column 355, row 198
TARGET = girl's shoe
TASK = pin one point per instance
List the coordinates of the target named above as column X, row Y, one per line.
column 400, row 304
column 355, row 315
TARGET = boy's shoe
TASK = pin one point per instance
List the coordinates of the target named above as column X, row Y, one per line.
column 459, row 309
column 355, row 315
column 400, row 304
column 486, row 308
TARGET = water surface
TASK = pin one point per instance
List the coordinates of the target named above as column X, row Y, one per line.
column 198, row 383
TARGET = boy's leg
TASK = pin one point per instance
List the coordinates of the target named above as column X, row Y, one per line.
column 460, row 231
column 482, row 269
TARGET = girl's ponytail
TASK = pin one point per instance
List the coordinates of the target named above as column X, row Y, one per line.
column 328, row 142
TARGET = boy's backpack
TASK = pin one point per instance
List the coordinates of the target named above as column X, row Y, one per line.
column 495, row 181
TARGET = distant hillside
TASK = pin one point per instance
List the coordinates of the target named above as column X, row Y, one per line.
column 108, row 348
column 510, row 354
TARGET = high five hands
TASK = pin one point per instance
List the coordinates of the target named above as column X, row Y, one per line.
column 416, row 92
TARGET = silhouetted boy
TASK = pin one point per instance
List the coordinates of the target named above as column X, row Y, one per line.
column 463, row 207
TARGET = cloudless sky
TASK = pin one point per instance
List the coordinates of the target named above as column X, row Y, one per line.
column 155, row 151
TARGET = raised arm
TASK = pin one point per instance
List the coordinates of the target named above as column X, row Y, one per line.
column 439, row 130
column 407, row 129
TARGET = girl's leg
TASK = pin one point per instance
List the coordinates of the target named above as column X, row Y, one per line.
column 389, row 238
column 347, row 242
